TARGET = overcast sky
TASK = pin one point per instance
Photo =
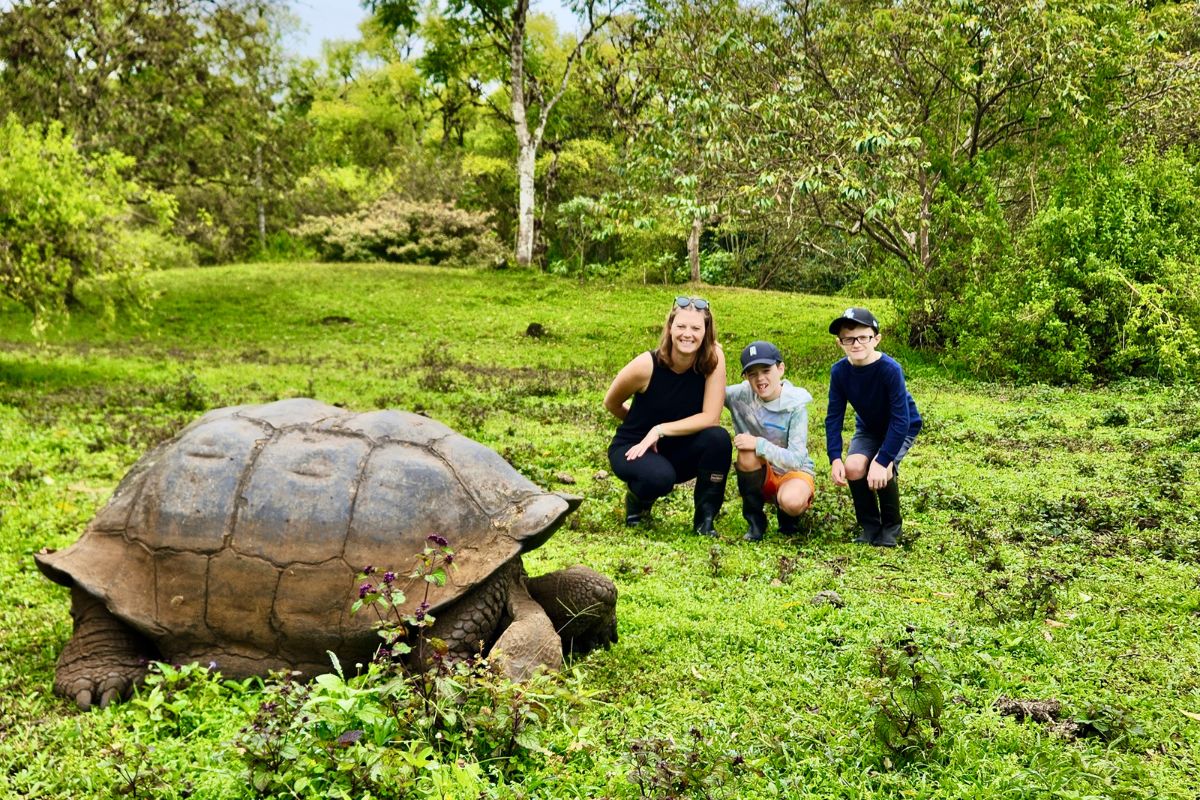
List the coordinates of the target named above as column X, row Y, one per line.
column 338, row 19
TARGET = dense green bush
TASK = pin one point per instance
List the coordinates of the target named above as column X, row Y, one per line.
column 394, row 229
column 1101, row 283
column 73, row 227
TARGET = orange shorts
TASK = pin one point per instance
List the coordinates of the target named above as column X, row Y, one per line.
column 775, row 479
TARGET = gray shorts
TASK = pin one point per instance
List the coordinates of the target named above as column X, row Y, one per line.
column 864, row 444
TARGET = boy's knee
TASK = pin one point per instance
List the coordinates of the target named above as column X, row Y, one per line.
column 747, row 461
column 856, row 467
column 794, row 498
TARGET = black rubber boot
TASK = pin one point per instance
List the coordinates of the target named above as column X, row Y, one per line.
column 889, row 515
column 788, row 525
column 708, row 496
column 750, row 486
column 635, row 509
column 866, row 509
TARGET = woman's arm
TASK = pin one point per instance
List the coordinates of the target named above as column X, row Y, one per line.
column 634, row 377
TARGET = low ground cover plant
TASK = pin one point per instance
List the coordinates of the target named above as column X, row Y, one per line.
column 737, row 674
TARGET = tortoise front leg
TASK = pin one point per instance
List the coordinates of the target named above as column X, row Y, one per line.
column 582, row 605
column 530, row 640
column 104, row 658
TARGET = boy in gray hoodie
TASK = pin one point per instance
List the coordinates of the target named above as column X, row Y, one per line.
column 770, row 420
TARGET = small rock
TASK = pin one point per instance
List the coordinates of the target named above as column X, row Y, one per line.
column 564, row 477
column 1037, row 710
column 600, row 475
column 828, row 597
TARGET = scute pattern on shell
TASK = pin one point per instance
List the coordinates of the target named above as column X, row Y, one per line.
column 243, row 536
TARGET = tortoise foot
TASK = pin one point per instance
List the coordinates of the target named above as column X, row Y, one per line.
column 104, row 659
column 582, row 605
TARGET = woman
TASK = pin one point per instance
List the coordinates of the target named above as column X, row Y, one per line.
column 670, row 432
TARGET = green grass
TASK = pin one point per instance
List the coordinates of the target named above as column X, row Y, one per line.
column 722, row 640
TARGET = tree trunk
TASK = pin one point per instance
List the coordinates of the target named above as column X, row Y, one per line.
column 526, row 158
column 527, row 144
column 261, row 205
column 693, row 246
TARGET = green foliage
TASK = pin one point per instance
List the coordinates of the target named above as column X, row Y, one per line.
column 393, row 229
column 74, row 227
column 907, row 700
column 193, row 92
column 1102, row 282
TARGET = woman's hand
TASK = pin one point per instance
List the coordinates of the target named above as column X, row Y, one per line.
column 650, row 442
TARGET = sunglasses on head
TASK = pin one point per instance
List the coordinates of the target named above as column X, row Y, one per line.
column 697, row 303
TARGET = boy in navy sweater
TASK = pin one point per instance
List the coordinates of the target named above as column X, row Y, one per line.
column 886, row 423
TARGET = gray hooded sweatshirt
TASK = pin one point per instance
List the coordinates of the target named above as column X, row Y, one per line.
column 780, row 425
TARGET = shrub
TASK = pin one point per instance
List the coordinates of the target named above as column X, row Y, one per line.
column 393, row 229
column 67, row 220
column 1100, row 284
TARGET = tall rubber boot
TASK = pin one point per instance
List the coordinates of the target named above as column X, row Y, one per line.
column 635, row 509
column 866, row 509
column 707, row 497
column 889, row 515
column 788, row 525
column 750, row 487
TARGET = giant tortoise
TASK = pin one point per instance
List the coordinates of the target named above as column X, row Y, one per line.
column 240, row 541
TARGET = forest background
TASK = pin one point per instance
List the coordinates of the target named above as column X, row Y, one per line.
column 1019, row 177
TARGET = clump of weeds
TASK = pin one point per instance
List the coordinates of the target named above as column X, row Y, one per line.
column 1035, row 594
column 664, row 769
column 906, row 700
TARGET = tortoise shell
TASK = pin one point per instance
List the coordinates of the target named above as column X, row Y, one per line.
column 240, row 540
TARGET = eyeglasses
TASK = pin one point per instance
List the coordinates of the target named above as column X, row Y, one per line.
column 849, row 340
column 697, row 303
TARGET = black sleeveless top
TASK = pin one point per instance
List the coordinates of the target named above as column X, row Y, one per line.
column 668, row 397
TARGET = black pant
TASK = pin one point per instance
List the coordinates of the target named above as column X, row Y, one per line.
column 679, row 459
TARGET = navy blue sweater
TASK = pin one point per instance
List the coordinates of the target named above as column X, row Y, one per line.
column 880, row 400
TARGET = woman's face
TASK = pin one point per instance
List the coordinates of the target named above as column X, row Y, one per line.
column 687, row 331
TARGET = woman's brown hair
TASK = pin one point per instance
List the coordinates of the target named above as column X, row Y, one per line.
column 706, row 356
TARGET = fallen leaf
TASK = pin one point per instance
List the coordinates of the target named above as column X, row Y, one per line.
column 1191, row 715
column 1053, row 623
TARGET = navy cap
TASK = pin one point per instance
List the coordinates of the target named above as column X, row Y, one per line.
column 854, row 316
column 760, row 352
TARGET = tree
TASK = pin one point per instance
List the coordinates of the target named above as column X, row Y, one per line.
column 191, row 89
column 695, row 59
column 920, row 124
column 67, row 219
column 532, row 94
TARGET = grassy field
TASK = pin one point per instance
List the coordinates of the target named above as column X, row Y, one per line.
column 1052, row 554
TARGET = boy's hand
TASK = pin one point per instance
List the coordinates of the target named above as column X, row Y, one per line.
column 745, row 441
column 837, row 472
column 878, row 475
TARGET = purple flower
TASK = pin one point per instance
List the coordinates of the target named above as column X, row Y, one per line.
column 368, row 570
column 388, row 577
column 421, row 611
column 440, row 541
column 448, row 558
column 365, row 590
